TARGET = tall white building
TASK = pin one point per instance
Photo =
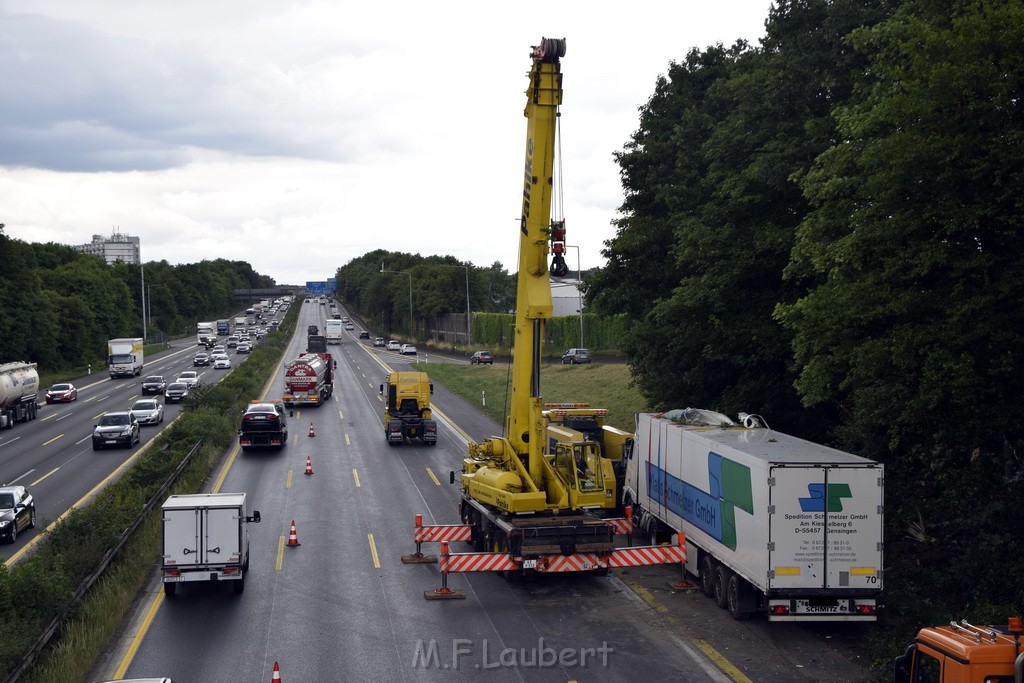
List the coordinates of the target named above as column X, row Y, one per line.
column 117, row 247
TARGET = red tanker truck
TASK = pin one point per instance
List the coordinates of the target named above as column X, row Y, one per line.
column 308, row 379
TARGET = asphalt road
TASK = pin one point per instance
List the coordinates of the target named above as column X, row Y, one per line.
column 53, row 456
column 342, row 605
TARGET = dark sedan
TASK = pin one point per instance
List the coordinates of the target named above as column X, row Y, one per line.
column 176, row 392
column 154, row 384
column 481, row 358
column 120, row 428
column 61, row 393
column 17, row 511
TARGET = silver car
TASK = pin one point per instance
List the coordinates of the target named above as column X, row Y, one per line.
column 148, row 411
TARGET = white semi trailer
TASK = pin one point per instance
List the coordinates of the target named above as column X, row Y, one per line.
column 773, row 523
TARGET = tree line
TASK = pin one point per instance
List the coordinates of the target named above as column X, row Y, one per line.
column 59, row 306
column 824, row 228
column 415, row 289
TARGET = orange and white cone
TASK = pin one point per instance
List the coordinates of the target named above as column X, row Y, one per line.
column 277, row 673
column 309, row 465
column 293, row 537
column 312, row 432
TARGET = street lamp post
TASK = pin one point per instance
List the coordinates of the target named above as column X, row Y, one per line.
column 579, row 291
column 412, row 325
column 469, row 331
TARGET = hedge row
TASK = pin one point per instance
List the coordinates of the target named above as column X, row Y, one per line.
column 601, row 334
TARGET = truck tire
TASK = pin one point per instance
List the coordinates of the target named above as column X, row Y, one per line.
column 722, row 576
column 239, row 585
column 170, row 589
column 740, row 598
column 707, row 575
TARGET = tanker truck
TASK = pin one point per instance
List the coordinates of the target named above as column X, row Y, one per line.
column 308, row 379
column 19, row 384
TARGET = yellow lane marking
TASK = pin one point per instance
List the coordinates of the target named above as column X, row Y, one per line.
column 355, row 476
column 341, row 415
column 280, row 554
column 373, row 552
column 44, row 476
column 432, row 477
column 133, row 647
column 47, row 443
column 710, row 652
column 288, row 481
column 224, row 471
column 347, row 442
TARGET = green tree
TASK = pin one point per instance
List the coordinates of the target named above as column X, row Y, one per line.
column 913, row 330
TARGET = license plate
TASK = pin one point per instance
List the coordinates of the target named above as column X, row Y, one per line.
column 173, row 579
column 529, row 564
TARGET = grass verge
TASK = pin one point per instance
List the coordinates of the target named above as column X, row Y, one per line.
column 602, row 386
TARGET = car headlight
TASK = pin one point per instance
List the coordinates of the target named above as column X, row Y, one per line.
column 126, row 431
column 4, row 522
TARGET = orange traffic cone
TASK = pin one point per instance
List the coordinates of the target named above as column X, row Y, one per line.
column 293, row 538
column 309, row 465
column 312, row 432
column 277, row 673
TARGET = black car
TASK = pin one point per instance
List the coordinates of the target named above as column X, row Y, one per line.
column 574, row 356
column 201, row 359
column 17, row 511
column 154, row 384
column 176, row 392
column 120, row 428
column 364, row 335
column 481, row 358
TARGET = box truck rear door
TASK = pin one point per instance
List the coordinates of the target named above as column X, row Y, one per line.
column 222, row 536
column 181, row 537
column 826, row 528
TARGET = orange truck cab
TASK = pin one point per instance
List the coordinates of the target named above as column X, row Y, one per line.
column 963, row 653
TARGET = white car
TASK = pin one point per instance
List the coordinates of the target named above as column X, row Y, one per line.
column 394, row 346
column 408, row 350
column 221, row 361
column 148, row 411
column 189, row 378
column 349, row 326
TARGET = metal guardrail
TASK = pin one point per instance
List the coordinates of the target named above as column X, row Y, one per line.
column 93, row 577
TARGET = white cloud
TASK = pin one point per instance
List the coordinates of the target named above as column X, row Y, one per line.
column 299, row 135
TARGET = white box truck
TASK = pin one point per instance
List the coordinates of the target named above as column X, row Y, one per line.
column 773, row 523
column 124, row 357
column 205, row 539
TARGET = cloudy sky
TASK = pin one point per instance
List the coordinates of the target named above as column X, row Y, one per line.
column 298, row 135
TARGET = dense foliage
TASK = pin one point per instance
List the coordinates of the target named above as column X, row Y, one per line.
column 431, row 286
column 824, row 229
column 60, row 306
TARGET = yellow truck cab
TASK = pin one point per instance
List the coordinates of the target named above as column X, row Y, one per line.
column 963, row 653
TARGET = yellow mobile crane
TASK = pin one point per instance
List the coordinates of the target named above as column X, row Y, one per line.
column 545, row 486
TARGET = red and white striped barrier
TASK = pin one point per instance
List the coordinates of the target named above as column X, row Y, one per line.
column 435, row 533
column 577, row 562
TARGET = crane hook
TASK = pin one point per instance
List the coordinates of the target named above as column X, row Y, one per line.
column 558, row 267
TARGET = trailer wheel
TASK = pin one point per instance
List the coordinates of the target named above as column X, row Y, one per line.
column 707, row 575
column 239, row 585
column 722, row 575
column 739, row 598
column 170, row 589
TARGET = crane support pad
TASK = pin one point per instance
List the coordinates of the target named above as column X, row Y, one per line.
column 577, row 562
column 435, row 533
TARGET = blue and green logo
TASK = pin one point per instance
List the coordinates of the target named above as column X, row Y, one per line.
column 712, row 511
column 825, row 499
